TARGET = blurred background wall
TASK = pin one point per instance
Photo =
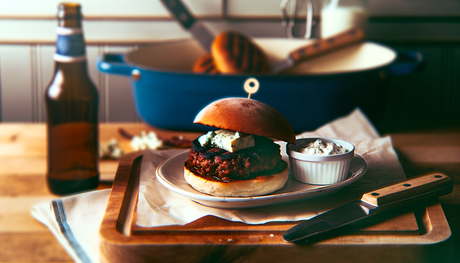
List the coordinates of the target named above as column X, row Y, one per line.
column 429, row 99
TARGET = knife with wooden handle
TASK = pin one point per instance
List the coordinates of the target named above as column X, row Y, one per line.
column 319, row 46
column 381, row 200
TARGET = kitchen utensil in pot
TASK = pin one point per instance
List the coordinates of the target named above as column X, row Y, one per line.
column 311, row 49
column 196, row 28
column 317, row 47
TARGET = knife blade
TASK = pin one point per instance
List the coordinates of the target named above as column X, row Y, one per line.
column 189, row 23
column 386, row 199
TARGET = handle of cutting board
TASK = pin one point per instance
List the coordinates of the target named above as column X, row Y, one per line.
column 411, row 189
column 327, row 44
column 113, row 63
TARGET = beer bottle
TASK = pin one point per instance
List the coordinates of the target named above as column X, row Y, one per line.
column 71, row 101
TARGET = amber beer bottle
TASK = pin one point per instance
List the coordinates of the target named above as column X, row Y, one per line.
column 72, row 111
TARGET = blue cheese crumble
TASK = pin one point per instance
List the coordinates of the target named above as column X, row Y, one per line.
column 227, row 140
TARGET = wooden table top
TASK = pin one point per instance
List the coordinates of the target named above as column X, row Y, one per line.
column 23, row 181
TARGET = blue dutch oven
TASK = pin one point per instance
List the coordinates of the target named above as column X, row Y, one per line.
column 168, row 95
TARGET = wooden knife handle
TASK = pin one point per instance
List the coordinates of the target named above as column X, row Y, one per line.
column 327, row 44
column 407, row 189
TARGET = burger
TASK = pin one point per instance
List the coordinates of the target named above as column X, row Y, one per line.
column 239, row 158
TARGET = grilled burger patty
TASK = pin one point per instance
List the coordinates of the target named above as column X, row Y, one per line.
column 218, row 164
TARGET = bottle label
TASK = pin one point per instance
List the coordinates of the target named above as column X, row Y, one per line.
column 70, row 45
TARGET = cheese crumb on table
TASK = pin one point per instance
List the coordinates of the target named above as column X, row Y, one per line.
column 146, row 141
column 111, row 150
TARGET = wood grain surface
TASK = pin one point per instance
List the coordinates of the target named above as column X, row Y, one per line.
column 23, row 184
column 121, row 240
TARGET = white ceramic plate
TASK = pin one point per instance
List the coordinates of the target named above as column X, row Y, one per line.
column 170, row 173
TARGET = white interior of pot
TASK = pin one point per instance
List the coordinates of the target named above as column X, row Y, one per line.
column 174, row 56
column 179, row 56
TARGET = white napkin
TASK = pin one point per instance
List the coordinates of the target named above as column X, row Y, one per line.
column 75, row 220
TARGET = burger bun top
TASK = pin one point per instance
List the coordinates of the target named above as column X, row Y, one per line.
column 246, row 116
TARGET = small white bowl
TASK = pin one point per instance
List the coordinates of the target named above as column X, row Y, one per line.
column 319, row 169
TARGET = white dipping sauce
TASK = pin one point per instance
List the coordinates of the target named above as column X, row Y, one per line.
column 320, row 147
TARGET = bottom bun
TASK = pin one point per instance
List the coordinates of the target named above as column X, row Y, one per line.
column 261, row 185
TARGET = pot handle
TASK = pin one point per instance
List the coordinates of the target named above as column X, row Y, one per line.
column 407, row 62
column 113, row 63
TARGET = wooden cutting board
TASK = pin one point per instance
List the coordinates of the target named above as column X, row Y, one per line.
column 421, row 235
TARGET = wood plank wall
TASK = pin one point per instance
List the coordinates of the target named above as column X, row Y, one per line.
column 27, row 69
column 428, row 99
